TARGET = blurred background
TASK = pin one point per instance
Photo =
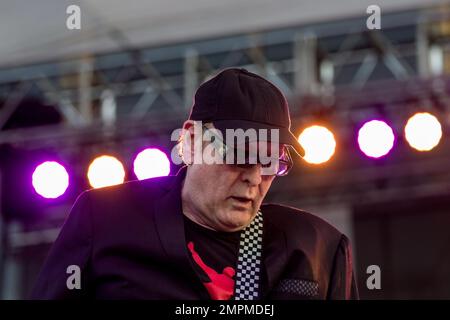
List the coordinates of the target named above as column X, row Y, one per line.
column 96, row 106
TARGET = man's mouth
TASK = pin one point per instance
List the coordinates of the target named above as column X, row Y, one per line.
column 243, row 200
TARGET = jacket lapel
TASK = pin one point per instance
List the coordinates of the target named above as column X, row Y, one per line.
column 169, row 220
column 170, row 225
column 275, row 256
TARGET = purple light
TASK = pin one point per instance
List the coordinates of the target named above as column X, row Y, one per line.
column 50, row 179
column 151, row 163
column 376, row 138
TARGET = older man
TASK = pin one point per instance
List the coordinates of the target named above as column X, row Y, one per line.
column 204, row 233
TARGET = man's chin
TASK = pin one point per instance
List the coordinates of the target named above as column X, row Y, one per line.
column 238, row 219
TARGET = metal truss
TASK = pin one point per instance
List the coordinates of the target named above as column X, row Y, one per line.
column 168, row 76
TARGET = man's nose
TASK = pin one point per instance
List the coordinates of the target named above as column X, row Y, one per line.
column 252, row 174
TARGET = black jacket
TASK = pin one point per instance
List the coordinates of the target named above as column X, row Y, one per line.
column 129, row 243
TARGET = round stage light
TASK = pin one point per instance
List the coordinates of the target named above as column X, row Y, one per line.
column 50, row 179
column 105, row 171
column 319, row 144
column 151, row 163
column 376, row 138
column 423, row 131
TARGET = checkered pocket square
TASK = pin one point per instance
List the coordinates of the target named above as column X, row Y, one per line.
column 299, row 287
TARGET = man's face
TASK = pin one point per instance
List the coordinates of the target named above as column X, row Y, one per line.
column 225, row 197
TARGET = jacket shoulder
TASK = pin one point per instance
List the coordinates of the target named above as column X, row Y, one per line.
column 135, row 190
column 126, row 201
column 126, row 208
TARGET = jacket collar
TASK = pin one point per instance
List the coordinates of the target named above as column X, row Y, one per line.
column 275, row 255
column 170, row 226
column 169, row 219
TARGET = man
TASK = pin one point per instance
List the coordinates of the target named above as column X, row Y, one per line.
column 204, row 233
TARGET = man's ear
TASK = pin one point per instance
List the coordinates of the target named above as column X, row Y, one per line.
column 187, row 136
column 188, row 124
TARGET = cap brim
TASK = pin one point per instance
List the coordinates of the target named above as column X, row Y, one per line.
column 285, row 136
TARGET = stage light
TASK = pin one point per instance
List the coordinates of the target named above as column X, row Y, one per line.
column 151, row 163
column 50, row 179
column 319, row 144
column 423, row 131
column 105, row 171
column 375, row 138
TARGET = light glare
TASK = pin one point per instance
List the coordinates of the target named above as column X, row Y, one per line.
column 423, row 131
column 319, row 144
column 151, row 163
column 105, row 171
column 50, row 179
column 376, row 138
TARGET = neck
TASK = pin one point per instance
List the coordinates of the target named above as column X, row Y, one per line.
column 188, row 210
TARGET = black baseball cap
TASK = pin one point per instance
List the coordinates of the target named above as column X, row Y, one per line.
column 236, row 98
